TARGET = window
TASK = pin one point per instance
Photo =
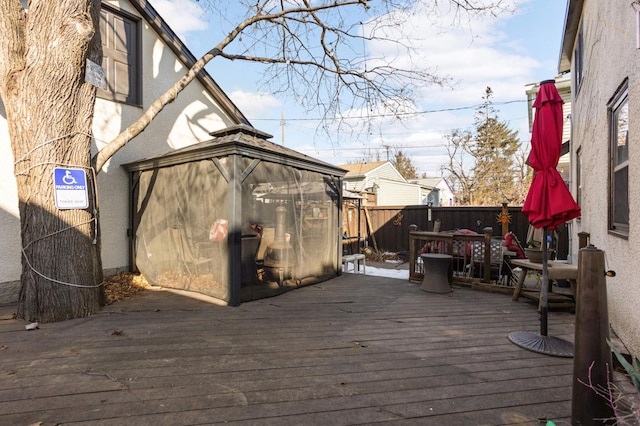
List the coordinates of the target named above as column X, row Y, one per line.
column 578, row 63
column 120, row 35
column 619, row 169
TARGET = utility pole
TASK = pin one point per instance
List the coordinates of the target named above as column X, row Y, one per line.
column 282, row 126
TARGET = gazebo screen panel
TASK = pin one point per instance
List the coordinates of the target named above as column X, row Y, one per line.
column 303, row 248
column 179, row 209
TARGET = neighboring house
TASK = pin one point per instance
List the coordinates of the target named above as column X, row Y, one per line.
column 385, row 181
column 143, row 58
column 441, row 190
column 363, row 177
column 601, row 50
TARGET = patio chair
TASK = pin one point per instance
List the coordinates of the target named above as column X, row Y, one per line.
column 495, row 259
column 461, row 253
column 194, row 257
column 512, row 250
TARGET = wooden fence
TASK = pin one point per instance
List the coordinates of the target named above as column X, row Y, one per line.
column 389, row 225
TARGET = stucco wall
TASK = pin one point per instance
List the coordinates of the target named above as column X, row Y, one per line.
column 611, row 55
column 186, row 121
column 9, row 217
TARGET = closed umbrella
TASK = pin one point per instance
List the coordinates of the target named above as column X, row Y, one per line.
column 548, row 204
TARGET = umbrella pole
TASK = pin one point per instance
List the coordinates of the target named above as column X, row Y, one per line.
column 542, row 343
column 544, row 307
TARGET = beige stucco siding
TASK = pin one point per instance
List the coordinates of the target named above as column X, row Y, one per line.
column 611, row 56
column 9, row 217
column 184, row 122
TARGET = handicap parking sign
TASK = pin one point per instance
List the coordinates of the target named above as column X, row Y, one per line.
column 70, row 188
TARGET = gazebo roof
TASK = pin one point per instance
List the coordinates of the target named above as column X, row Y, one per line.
column 239, row 139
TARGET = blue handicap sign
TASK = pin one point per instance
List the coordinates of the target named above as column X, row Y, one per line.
column 70, row 188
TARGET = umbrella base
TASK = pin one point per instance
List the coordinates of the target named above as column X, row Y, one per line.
column 547, row 345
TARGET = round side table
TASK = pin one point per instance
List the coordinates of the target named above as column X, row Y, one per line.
column 437, row 274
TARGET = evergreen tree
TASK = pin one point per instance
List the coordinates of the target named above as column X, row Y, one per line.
column 484, row 166
column 494, row 149
column 405, row 166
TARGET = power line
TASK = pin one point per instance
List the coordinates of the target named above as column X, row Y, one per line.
column 369, row 116
column 417, row 131
column 385, row 147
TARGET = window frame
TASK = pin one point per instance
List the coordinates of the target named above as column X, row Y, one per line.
column 618, row 102
column 134, row 61
column 578, row 62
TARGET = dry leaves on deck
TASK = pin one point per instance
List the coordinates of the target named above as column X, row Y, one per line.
column 121, row 286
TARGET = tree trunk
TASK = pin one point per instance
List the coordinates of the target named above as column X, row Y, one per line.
column 49, row 112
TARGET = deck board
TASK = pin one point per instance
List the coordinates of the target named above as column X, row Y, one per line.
column 355, row 350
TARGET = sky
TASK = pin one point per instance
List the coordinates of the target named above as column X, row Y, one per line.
column 505, row 53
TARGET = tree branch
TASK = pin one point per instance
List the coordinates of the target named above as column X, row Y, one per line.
column 170, row 95
column 331, row 74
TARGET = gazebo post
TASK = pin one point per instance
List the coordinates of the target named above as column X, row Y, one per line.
column 234, row 242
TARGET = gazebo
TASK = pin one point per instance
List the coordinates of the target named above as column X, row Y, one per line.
column 236, row 218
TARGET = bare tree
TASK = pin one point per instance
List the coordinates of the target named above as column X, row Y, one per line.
column 459, row 171
column 312, row 49
column 523, row 174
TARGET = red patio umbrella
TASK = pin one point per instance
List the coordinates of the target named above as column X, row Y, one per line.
column 548, row 204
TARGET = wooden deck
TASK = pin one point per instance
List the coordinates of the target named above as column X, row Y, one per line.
column 355, row 350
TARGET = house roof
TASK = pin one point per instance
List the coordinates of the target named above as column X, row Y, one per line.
column 346, row 194
column 188, row 59
column 361, row 168
column 571, row 25
column 428, row 182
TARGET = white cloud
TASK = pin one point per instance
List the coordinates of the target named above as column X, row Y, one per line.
column 256, row 104
column 183, row 16
column 474, row 54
